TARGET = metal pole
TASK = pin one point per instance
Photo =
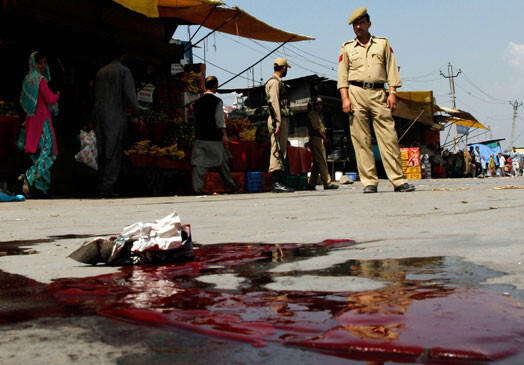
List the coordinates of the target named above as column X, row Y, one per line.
column 451, row 78
column 515, row 106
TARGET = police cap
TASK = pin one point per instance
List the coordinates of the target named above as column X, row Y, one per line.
column 281, row 61
column 360, row 12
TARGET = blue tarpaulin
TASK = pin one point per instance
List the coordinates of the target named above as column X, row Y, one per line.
column 486, row 151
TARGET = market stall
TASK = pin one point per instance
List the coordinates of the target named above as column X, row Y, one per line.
column 79, row 37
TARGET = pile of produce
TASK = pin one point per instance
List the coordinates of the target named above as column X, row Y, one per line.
column 8, row 108
column 193, row 82
column 145, row 148
column 182, row 131
column 240, row 129
column 151, row 116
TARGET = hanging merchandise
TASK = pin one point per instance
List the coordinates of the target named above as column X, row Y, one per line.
column 88, row 150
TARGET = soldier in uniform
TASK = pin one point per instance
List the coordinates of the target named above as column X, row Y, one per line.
column 365, row 64
column 277, row 100
column 317, row 137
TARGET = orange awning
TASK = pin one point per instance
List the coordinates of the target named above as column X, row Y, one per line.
column 210, row 14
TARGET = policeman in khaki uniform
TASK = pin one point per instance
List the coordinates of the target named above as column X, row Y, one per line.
column 365, row 64
column 277, row 98
column 317, row 137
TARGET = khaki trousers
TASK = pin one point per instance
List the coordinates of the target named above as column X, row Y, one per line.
column 274, row 159
column 370, row 105
column 318, row 154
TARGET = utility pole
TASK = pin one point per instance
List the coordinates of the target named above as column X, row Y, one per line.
column 515, row 106
column 451, row 78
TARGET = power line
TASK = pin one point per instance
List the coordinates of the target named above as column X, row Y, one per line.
column 485, row 101
column 294, row 62
column 311, row 54
column 430, row 80
column 220, row 68
column 280, row 54
column 412, row 78
column 480, row 90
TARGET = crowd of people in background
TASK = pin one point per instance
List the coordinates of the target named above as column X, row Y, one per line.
column 471, row 163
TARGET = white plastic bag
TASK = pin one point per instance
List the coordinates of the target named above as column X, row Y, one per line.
column 88, row 152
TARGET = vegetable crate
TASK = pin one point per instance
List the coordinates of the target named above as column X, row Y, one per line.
column 253, row 182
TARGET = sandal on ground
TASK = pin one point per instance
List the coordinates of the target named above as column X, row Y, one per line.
column 25, row 184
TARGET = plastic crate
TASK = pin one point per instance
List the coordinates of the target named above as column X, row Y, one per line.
column 297, row 182
column 253, row 182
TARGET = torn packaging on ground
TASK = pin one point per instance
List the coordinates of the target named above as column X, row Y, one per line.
column 164, row 241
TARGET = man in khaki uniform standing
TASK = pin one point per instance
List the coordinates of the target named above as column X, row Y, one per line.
column 277, row 100
column 317, row 137
column 365, row 64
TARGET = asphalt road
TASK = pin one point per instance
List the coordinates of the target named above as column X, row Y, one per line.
column 474, row 225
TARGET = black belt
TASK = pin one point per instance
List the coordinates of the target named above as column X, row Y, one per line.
column 368, row 85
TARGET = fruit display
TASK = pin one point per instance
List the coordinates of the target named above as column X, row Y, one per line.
column 8, row 108
column 151, row 116
column 240, row 129
column 193, row 82
column 182, row 131
column 146, row 148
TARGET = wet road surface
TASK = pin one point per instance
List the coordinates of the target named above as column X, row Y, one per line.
column 235, row 300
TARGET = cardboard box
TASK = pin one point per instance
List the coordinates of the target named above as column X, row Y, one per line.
column 411, row 154
column 414, row 176
column 412, row 170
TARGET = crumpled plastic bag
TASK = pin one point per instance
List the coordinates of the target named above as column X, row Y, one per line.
column 88, row 152
column 163, row 241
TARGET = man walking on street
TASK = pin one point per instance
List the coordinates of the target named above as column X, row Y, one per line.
column 515, row 161
column 365, row 64
column 278, row 128
column 114, row 93
column 317, row 138
column 502, row 164
column 211, row 141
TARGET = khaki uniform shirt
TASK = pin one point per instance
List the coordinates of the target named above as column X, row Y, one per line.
column 273, row 94
column 314, row 123
column 374, row 62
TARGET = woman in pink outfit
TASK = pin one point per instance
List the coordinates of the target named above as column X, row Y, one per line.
column 38, row 101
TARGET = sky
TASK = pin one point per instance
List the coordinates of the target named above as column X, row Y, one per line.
column 482, row 38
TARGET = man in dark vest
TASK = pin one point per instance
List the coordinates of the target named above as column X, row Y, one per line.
column 211, row 142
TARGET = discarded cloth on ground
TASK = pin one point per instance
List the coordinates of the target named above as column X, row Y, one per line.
column 166, row 240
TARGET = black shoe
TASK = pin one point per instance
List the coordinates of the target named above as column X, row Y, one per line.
column 331, row 187
column 312, row 188
column 233, row 190
column 281, row 188
column 405, row 188
column 369, row 189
